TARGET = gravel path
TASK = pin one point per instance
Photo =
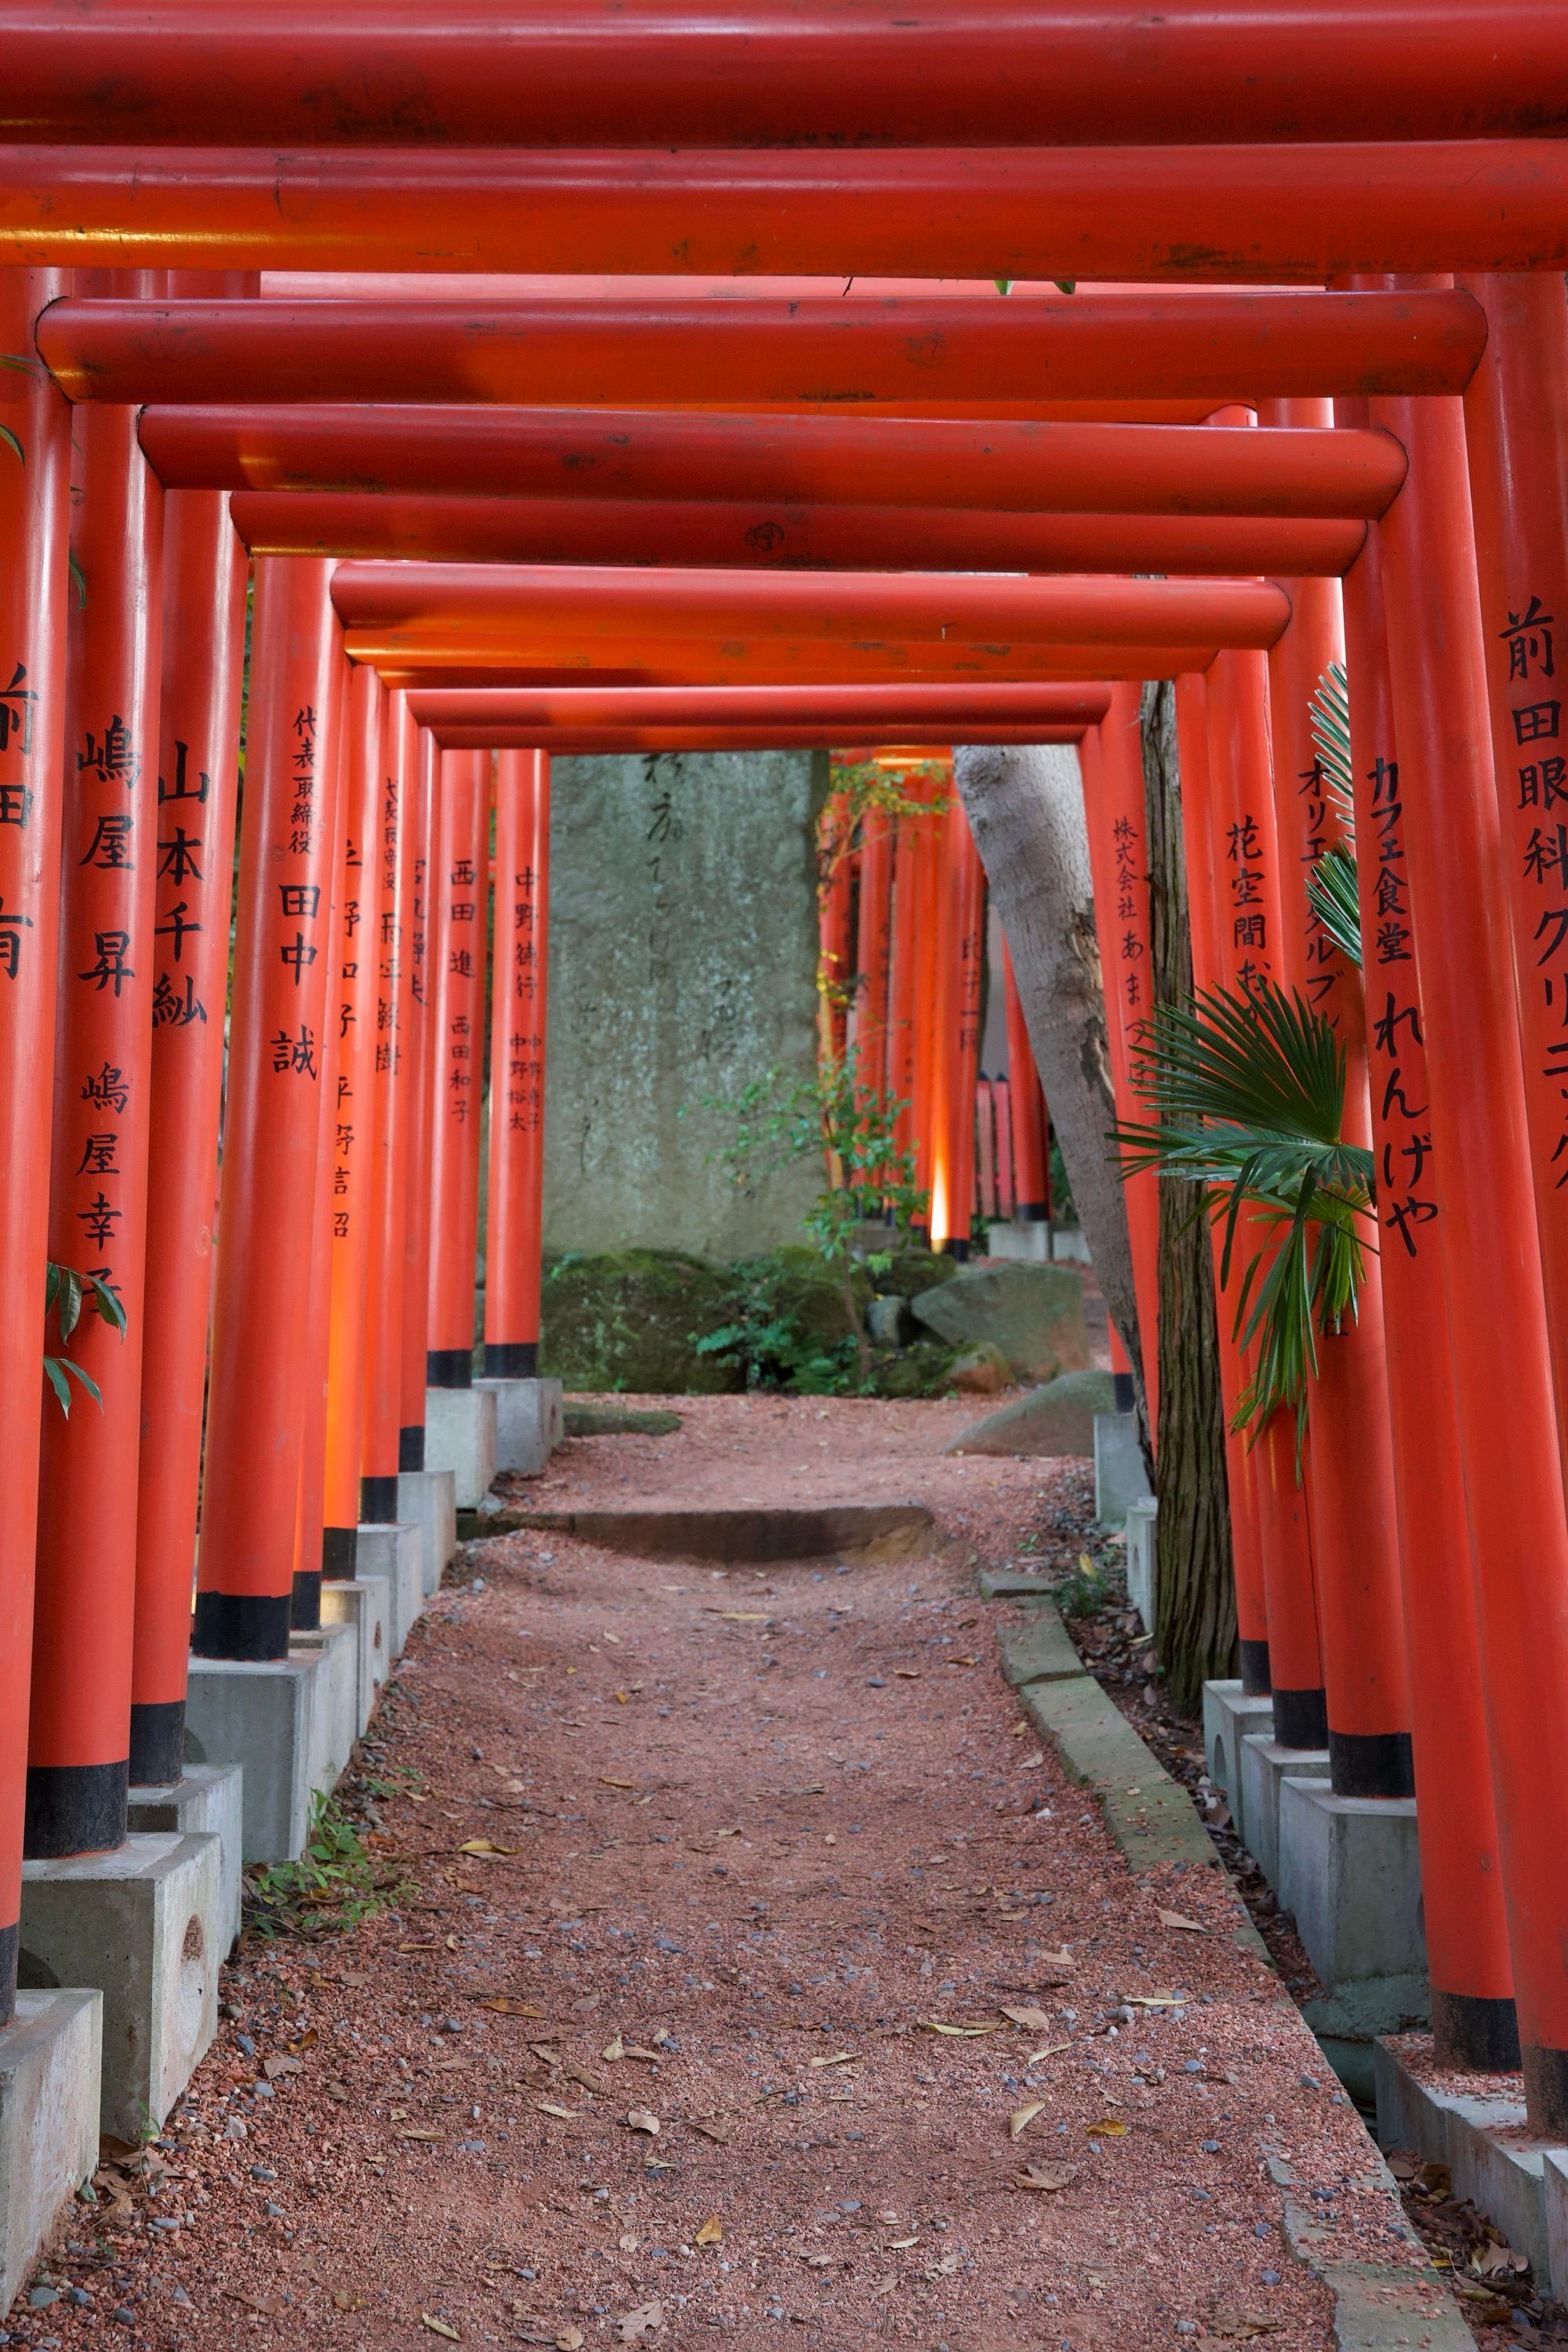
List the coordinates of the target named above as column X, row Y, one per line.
column 656, row 2060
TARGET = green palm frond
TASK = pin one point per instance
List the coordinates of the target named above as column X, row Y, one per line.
column 1331, row 895
column 1329, row 716
column 1247, row 1094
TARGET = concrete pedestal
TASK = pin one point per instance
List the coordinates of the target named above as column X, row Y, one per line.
column 1229, row 1716
column 50, row 2057
column 1264, row 1765
column 1142, row 1517
column 429, row 1499
column 1030, row 1241
column 146, row 1926
column 208, row 1800
column 364, row 1605
column 460, row 1436
column 529, row 1424
column 396, row 1550
column 1350, row 1871
column 1519, row 2183
column 266, row 1715
column 334, row 1719
column 1119, row 1476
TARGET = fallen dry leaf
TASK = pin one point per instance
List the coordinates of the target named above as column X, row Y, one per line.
column 347, row 2299
column 1179, row 1919
column 712, row 2233
column 1242, row 2324
column 614, row 2049
column 606, row 1782
column 643, row 2119
column 1044, row 2176
column 641, row 2322
column 1152, row 1999
column 486, row 1851
column 1062, row 1959
column 964, row 1661
column 908, row 1673
column 819, row 2261
column 959, row 2033
column 744, row 1616
column 884, row 2285
column 1022, row 2118
column 505, row 2006
column 430, row 1947
column 273, row 2067
column 1491, row 2261
column 1054, row 2049
column 439, row 2327
column 269, row 2306
column 569, row 2340
column 415, row 2131
column 1033, row 2021
column 844, row 2058
column 1106, row 2128
column 710, row 2131
column 567, row 2115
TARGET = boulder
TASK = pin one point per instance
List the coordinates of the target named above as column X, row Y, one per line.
column 610, row 1420
column 631, row 1319
column 923, row 1370
column 1057, row 1419
column 981, row 1371
column 887, row 1320
column 1034, row 1314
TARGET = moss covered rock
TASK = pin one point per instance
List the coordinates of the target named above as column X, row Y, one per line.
column 923, row 1370
column 631, row 1319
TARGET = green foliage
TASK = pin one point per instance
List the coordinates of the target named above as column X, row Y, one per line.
column 1249, row 1090
column 335, row 1885
column 831, row 1115
column 66, row 1294
column 1086, row 1592
column 1329, row 716
column 1332, row 896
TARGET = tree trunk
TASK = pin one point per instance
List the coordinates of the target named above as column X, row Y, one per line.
column 1025, row 811
column 1194, row 1605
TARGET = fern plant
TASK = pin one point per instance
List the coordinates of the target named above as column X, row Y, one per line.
column 1247, row 1091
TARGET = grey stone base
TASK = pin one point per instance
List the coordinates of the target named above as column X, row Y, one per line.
column 278, row 1718
column 1142, row 1517
column 460, row 1436
column 334, row 1718
column 145, row 1925
column 396, row 1551
column 209, row 1798
column 365, row 1606
column 50, row 2058
column 1028, row 1241
column 429, row 1498
column 1264, row 1765
column 1119, row 1476
column 529, row 1424
column 1229, row 1716
column 1350, row 1871
column 1519, row 2183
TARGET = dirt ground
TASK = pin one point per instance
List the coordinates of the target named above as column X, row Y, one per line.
column 690, row 2020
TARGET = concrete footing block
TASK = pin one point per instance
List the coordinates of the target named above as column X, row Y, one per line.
column 1027, row 1238
column 1350, row 1871
column 50, row 2060
column 1142, row 1518
column 266, row 1714
column 1120, row 1476
column 429, row 1498
column 364, row 1605
column 1229, row 1715
column 1518, row 2183
column 396, row 1550
column 1264, row 1765
column 334, row 1717
column 529, row 1424
column 460, row 1436
column 1554, row 2191
column 144, row 1924
column 210, row 1799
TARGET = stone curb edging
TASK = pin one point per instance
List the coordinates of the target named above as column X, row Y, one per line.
column 1377, row 2307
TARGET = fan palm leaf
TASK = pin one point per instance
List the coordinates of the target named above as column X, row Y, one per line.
column 1331, row 895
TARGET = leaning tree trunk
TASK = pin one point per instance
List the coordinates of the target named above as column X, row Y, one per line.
column 1195, row 1606
column 1025, row 811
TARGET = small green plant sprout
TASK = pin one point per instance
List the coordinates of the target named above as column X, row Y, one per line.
column 870, row 1175
column 335, row 1885
column 65, row 1295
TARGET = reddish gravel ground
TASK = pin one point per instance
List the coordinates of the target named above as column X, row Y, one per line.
column 750, row 1835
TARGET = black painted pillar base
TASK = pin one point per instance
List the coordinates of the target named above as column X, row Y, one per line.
column 378, row 1501
column 1300, row 1719
column 449, row 1368
column 1469, row 2029
column 1254, row 1682
column 1031, row 1212
column 158, row 1744
column 1121, row 1392
column 75, row 1808
column 249, row 1626
column 511, row 1359
column 955, row 1246
column 340, row 1559
column 10, row 1945
column 1546, row 2091
column 1368, row 1763
column 411, row 1447
column 305, row 1605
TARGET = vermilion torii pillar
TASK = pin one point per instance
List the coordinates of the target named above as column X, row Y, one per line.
column 354, row 988
column 874, row 949
column 205, row 577
column 1473, row 2019
column 83, row 1628
column 1500, row 1351
column 35, row 514
column 283, row 949
column 1028, row 1116
column 518, row 973
column 459, row 900
column 396, row 1106
column 419, row 1048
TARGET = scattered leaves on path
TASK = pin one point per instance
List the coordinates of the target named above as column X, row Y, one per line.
column 1044, row 2176
column 643, row 2119
column 1022, row 2118
column 712, row 2233
column 439, row 2327
column 1179, row 1919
